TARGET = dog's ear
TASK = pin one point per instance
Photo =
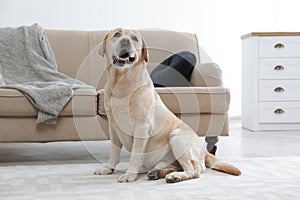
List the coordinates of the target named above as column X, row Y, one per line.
column 101, row 50
column 144, row 54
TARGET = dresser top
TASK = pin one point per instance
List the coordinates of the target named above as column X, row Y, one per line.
column 262, row 34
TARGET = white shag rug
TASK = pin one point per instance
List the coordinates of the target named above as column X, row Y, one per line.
column 262, row 178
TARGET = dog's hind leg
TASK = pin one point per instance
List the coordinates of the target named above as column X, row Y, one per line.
column 161, row 170
column 190, row 171
column 188, row 150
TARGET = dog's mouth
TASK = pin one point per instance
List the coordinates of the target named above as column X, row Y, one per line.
column 123, row 58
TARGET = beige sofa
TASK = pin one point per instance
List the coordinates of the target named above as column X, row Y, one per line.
column 204, row 106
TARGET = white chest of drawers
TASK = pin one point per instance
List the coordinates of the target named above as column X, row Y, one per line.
column 271, row 81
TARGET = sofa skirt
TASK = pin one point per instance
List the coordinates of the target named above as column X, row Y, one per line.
column 25, row 129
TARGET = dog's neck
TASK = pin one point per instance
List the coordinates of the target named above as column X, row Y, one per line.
column 123, row 82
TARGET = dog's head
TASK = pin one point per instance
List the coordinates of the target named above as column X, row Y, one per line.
column 123, row 48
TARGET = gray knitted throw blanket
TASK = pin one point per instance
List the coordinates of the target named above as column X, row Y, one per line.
column 27, row 64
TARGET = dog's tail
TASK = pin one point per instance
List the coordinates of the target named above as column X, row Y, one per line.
column 213, row 162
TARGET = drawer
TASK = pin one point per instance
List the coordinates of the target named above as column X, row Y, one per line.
column 282, row 68
column 279, row 46
column 279, row 112
column 279, row 90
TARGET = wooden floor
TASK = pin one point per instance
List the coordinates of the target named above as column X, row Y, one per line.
column 243, row 143
column 240, row 144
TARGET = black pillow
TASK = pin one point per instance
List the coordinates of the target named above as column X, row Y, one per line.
column 174, row 71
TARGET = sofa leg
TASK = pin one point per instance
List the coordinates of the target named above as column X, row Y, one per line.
column 211, row 144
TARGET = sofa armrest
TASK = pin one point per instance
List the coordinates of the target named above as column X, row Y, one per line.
column 206, row 75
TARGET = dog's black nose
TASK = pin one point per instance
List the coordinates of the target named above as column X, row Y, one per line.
column 125, row 41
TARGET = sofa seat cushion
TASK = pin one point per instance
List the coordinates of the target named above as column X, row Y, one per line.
column 188, row 100
column 14, row 104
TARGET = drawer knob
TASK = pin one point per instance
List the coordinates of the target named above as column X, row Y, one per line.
column 278, row 46
column 279, row 89
column 279, row 111
column 278, row 68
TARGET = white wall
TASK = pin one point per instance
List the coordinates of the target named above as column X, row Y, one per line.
column 218, row 23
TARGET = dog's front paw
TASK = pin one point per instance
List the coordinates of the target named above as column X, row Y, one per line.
column 128, row 177
column 154, row 174
column 104, row 171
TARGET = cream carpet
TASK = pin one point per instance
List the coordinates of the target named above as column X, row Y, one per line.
column 262, row 178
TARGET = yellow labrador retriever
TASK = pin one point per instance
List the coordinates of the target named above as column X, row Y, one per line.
column 159, row 142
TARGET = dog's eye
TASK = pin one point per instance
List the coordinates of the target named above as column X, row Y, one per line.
column 116, row 35
column 135, row 38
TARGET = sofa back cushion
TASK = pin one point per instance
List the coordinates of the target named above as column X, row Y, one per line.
column 76, row 51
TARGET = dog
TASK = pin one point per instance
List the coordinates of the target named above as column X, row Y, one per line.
column 160, row 143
